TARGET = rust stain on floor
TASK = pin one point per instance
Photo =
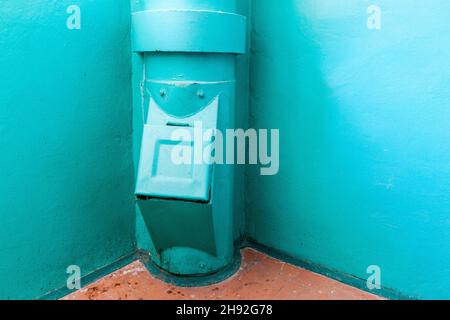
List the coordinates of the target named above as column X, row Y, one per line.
column 259, row 278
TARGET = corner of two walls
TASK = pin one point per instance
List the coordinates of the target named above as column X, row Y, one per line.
column 244, row 7
column 363, row 118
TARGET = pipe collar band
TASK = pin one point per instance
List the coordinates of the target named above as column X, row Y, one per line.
column 189, row 31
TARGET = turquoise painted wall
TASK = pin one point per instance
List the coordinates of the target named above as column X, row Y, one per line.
column 364, row 118
column 66, row 190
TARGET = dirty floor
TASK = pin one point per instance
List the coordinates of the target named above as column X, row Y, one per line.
column 259, row 278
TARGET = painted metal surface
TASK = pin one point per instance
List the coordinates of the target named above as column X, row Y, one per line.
column 167, row 179
column 65, row 142
column 209, row 31
column 188, row 84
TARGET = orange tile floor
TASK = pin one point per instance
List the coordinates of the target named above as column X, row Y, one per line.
column 259, row 278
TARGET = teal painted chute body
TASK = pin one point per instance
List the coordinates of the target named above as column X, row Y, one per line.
column 188, row 50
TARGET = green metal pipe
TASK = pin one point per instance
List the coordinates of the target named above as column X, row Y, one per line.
column 188, row 50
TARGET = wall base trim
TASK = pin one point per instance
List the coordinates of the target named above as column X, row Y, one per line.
column 327, row 272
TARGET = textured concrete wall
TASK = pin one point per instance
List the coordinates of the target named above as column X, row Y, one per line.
column 66, row 185
column 364, row 123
